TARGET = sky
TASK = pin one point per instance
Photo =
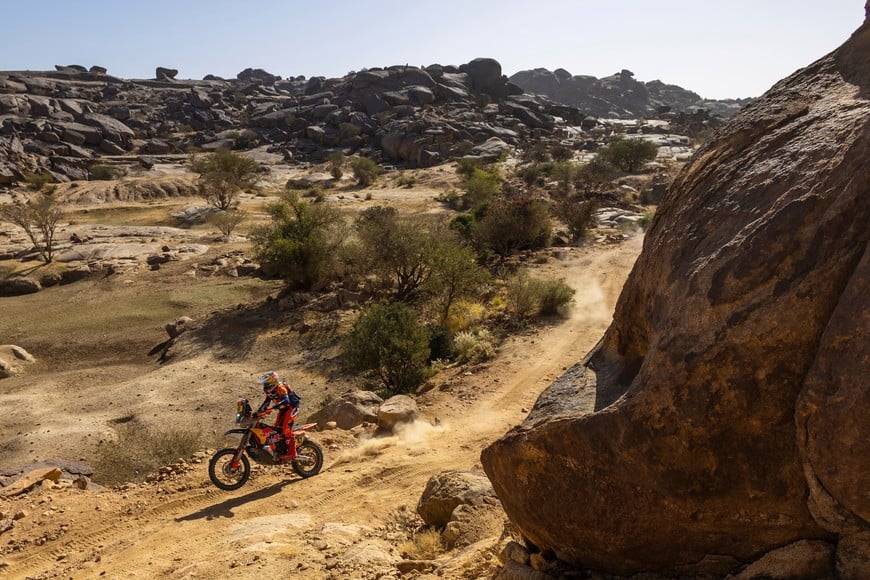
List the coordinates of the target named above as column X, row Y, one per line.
column 718, row 49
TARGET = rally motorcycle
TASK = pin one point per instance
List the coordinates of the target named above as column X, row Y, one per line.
column 230, row 468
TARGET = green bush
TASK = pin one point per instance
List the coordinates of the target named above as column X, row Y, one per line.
column 466, row 166
column 365, row 171
column 629, row 154
column 389, row 342
column 528, row 297
column 553, row 295
column 646, row 220
column 480, row 187
column 510, row 225
column 579, row 216
column 336, row 164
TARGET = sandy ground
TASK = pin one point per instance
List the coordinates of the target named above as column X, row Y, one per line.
column 344, row 523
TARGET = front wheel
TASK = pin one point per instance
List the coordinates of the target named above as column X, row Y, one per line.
column 309, row 459
column 222, row 473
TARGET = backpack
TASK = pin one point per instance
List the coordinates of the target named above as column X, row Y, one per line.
column 295, row 399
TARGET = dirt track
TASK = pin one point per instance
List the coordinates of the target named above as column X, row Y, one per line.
column 343, row 522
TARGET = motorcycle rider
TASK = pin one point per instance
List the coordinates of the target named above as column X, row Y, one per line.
column 280, row 396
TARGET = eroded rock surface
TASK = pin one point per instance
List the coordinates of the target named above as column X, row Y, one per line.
column 732, row 383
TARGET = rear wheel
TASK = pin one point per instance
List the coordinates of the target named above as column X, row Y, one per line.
column 309, row 459
column 222, row 473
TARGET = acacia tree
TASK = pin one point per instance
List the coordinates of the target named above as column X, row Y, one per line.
column 399, row 251
column 39, row 220
column 456, row 273
column 303, row 241
column 629, row 154
column 223, row 175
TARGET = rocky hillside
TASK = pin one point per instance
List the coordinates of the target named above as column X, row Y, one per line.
column 620, row 96
column 67, row 120
column 722, row 419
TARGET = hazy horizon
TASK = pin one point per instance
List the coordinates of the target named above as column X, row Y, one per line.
column 717, row 50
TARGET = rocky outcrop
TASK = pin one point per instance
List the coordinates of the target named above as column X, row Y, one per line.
column 65, row 120
column 724, row 413
column 620, row 96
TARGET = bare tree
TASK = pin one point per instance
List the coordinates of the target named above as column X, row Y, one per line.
column 39, row 219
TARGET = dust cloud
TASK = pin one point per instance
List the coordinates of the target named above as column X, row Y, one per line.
column 417, row 437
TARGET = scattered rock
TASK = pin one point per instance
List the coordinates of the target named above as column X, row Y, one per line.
column 178, row 326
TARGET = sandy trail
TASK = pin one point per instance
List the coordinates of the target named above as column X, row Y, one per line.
column 281, row 524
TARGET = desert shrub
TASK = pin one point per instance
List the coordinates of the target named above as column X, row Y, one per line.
column 473, row 346
column 464, row 147
column 302, row 242
column 466, row 166
column 37, row 181
column 539, row 152
column 561, row 153
column 424, row 545
column 223, row 175
column 440, row 342
column 365, row 171
column 104, row 173
column 464, row 314
column 522, row 223
column 522, row 296
column 226, row 221
column 348, row 130
column 405, row 180
column 593, row 174
column 464, row 224
column 646, row 220
column 480, row 187
column 532, row 174
column 389, row 342
column 336, row 164
column 528, row 297
column 138, row 451
column 629, row 154
column 564, row 172
column 579, row 216
column 553, row 295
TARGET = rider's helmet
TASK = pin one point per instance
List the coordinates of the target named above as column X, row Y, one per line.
column 269, row 380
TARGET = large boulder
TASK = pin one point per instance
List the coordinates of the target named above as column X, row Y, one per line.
column 448, row 490
column 349, row 410
column 724, row 412
column 397, row 410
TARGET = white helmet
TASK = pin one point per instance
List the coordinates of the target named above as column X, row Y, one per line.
column 269, row 380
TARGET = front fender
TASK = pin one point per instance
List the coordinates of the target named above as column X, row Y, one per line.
column 234, row 431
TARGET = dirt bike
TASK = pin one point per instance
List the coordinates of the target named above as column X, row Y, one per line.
column 230, row 468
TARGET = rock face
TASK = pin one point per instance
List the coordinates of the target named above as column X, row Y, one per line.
column 730, row 392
